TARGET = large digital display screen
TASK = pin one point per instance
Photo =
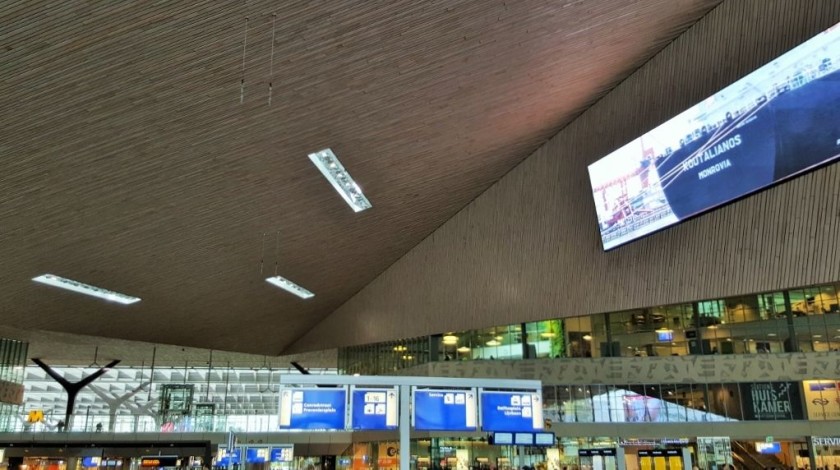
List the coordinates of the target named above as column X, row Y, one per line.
column 511, row 411
column 375, row 409
column 445, row 410
column 313, row 408
column 780, row 121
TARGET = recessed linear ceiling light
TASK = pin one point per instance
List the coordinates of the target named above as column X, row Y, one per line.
column 69, row 284
column 334, row 172
column 290, row 286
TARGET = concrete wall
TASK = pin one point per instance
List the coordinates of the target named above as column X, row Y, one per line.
column 529, row 247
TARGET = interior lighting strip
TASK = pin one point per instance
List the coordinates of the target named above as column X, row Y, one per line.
column 334, row 172
column 290, row 287
column 75, row 286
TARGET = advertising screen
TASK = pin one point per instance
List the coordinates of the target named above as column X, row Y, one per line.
column 445, row 410
column 511, row 411
column 313, row 408
column 778, row 122
column 375, row 409
column 822, row 399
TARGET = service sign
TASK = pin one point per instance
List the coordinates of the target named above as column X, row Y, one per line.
column 445, row 410
column 313, row 408
column 511, row 411
column 375, row 409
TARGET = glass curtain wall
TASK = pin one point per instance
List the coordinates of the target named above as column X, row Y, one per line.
column 801, row 319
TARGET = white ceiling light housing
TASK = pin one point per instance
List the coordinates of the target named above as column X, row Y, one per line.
column 81, row 288
column 290, row 287
column 334, row 172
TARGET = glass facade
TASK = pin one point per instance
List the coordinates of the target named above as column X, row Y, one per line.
column 794, row 320
column 13, row 355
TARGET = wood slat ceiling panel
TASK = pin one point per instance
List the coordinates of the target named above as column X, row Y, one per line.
column 128, row 161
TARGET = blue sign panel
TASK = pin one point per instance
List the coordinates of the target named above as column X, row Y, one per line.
column 375, row 409
column 226, row 457
column 444, row 410
column 313, row 408
column 257, row 454
column 511, row 411
column 282, row 454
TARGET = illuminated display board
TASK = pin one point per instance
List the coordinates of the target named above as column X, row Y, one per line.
column 445, row 410
column 511, row 411
column 776, row 123
column 375, row 409
column 313, row 408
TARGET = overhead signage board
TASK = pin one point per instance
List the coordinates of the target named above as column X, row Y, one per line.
column 282, row 454
column 313, row 408
column 375, row 409
column 511, row 411
column 773, row 124
column 225, row 457
column 257, row 454
column 523, row 439
column 445, row 410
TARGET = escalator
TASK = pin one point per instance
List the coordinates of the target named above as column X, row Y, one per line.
column 746, row 457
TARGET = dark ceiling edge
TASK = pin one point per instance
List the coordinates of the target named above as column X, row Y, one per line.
column 290, row 349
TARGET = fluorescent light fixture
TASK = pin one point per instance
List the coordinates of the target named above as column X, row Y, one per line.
column 75, row 286
column 290, row 287
column 464, row 349
column 493, row 342
column 334, row 172
column 587, row 337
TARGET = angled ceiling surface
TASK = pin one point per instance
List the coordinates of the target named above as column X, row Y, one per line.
column 133, row 159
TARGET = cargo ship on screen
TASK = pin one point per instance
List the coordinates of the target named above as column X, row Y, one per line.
column 776, row 123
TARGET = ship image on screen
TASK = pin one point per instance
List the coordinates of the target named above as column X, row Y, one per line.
column 778, row 122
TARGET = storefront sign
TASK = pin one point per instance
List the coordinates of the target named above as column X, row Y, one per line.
column 653, row 442
column 826, row 441
column 159, row 461
column 771, row 401
column 822, row 399
column 594, row 452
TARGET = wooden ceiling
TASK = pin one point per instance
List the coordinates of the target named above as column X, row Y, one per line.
column 128, row 162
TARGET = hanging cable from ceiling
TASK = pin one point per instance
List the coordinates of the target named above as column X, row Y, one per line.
column 271, row 59
column 244, row 48
column 262, row 255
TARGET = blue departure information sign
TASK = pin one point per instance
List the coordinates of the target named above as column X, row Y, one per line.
column 226, row 457
column 375, row 409
column 511, row 411
column 313, row 408
column 445, row 410
column 257, row 454
column 282, row 454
